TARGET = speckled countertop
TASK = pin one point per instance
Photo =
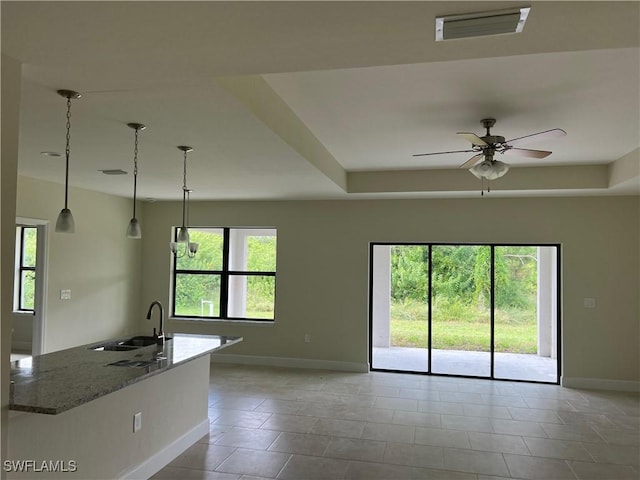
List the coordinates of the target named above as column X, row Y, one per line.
column 58, row 381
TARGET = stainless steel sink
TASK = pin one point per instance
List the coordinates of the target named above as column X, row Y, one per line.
column 112, row 347
column 140, row 341
column 131, row 343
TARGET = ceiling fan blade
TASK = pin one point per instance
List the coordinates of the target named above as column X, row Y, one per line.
column 473, row 138
column 535, row 137
column 472, row 161
column 525, row 152
column 441, row 153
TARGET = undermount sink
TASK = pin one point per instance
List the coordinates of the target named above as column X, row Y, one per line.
column 140, row 341
column 127, row 344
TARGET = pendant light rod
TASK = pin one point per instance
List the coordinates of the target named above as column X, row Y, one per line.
column 65, row 223
column 189, row 248
column 134, row 230
column 137, row 127
column 185, row 149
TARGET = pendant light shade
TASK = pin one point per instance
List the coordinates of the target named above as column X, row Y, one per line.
column 133, row 229
column 490, row 169
column 183, row 235
column 65, row 223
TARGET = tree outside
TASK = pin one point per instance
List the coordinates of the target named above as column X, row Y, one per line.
column 461, row 284
column 198, row 294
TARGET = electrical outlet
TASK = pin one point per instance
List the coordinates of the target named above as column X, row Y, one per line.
column 589, row 303
column 137, row 422
column 65, row 294
column 307, row 338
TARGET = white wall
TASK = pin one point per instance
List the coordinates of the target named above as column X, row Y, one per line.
column 322, row 269
column 99, row 435
column 11, row 72
column 22, row 332
column 97, row 263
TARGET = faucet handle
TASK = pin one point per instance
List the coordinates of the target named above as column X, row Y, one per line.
column 154, row 332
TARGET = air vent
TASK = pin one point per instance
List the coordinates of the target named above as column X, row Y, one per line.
column 481, row 24
column 50, row 154
column 116, row 171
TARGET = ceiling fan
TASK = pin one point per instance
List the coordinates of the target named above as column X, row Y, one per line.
column 483, row 164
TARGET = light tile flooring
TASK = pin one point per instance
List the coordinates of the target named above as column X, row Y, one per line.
column 277, row 423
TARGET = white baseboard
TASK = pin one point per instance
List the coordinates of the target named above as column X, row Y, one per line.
column 290, row 362
column 161, row 459
column 601, row 384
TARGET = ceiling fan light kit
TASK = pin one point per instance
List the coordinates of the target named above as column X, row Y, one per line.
column 500, row 22
column 489, row 169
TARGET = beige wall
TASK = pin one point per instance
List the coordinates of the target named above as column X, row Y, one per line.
column 8, row 170
column 97, row 263
column 322, row 283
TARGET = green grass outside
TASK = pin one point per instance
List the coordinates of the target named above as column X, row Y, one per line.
column 250, row 313
column 463, row 327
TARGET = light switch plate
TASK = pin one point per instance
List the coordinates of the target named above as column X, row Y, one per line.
column 589, row 303
column 65, row 294
column 137, row 422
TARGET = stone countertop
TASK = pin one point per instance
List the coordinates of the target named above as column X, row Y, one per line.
column 55, row 382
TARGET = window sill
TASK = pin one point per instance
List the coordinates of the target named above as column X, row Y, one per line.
column 251, row 323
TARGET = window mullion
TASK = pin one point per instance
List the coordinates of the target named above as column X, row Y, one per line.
column 224, row 280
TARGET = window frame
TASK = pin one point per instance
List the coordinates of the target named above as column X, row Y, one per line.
column 493, row 245
column 20, row 268
column 225, row 273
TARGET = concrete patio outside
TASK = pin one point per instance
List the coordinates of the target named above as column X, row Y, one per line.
column 512, row 366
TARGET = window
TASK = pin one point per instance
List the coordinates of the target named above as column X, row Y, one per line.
column 26, row 241
column 233, row 275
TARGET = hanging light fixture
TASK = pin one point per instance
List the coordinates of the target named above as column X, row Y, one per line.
column 188, row 248
column 134, row 230
column 65, row 223
column 490, row 169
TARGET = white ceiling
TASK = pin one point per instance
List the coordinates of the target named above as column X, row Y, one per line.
column 286, row 100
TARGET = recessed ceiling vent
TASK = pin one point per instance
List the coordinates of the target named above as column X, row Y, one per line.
column 481, row 24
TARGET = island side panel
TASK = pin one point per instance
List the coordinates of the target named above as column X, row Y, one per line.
column 98, row 436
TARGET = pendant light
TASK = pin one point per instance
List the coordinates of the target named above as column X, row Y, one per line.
column 65, row 223
column 183, row 246
column 133, row 229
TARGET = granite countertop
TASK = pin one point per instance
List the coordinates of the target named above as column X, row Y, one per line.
column 55, row 382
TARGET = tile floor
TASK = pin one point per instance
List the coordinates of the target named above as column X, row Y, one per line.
column 278, row 423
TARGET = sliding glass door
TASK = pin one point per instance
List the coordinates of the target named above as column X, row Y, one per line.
column 461, row 302
column 488, row 311
column 400, row 307
column 526, row 313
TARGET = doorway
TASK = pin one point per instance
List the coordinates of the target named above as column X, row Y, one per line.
column 28, row 320
column 481, row 310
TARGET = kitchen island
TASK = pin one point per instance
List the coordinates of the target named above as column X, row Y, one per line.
column 79, row 407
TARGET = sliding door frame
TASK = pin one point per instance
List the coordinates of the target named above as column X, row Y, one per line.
column 430, row 246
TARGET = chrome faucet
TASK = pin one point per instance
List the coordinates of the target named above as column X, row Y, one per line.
column 160, row 335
